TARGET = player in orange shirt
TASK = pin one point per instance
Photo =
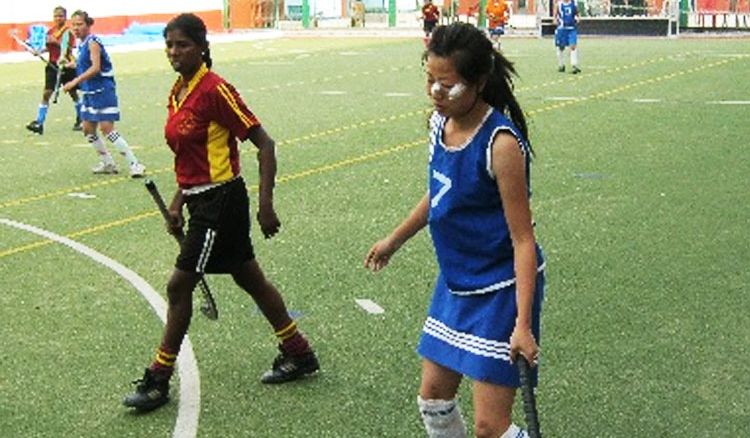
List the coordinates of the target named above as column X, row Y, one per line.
column 497, row 12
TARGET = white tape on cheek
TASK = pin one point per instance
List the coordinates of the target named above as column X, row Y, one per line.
column 435, row 89
column 456, row 91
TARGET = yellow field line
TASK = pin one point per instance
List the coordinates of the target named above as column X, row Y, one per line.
column 355, row 160
column 340, row 129
column 283, row 179
column 626, row 87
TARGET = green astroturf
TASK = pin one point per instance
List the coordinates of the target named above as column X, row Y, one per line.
column 640, row 196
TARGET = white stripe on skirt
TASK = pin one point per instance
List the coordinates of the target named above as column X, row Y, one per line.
column 466, row 341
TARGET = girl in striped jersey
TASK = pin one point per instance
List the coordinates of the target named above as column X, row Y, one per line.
column 206, row 118
column 487, row 299
column 99, row 105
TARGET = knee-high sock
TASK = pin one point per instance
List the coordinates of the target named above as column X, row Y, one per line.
column 98, row 145
column 41, row 113
column 77, row 104
column 122, row 146
column 560, row 58
column 514, row 432
column 574, row 57
column 442, row 418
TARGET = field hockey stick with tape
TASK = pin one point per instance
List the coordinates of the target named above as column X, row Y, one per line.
column 208, row 307
column 529, row 398
column 31, row 50
column 63, row 52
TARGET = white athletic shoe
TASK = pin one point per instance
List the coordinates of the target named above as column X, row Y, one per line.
column 105, row 168
column 137, row 170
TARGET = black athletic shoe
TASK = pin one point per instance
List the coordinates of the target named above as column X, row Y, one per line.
column 77, row 126
column 576, row 70
column 561, row 69
column 150, row 393
column 35, row 127
column 287, row 368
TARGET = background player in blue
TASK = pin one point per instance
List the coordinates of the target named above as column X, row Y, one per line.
column 99, row 107
column 566, row 34
column 487, row 300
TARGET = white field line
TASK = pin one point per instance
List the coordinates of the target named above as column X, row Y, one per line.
column 186, row 424
column 369, row 306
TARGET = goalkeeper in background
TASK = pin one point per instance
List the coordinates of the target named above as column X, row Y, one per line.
column 54, row 47
column 566, row 34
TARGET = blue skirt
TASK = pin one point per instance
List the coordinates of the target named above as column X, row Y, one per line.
column 470, row 334
column 100, row 106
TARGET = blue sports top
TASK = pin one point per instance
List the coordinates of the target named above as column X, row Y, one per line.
column 105, row 79
column 466, row 218
column 567, row 14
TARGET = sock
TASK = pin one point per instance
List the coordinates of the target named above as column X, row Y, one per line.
column 77, row 105
column 560, row 59
column 98, row 145
column 442, row 418
column 41, row 113
column 116, row 139
column 514, row 432
column 163, row 363
column 574, row 57
column 292, row 341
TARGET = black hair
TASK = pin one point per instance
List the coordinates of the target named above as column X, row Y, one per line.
column 195, row 29
column 475, row 59
column 61, row 9
column 85, row 16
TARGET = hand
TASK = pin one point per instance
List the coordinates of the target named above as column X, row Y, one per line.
column 380, row 254
column 268, row 220
column 522, row 342
column 68, row 86
column 177, row 221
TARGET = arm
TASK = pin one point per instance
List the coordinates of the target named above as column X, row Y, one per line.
column 96, row 66
column 509, row 166
column 267, row 218
column 380, row 253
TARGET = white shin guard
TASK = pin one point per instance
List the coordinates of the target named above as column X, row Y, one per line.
column 442, row 418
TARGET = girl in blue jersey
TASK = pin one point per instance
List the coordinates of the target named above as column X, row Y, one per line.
column 99, row 107
column 487, row 300
column 566, row 34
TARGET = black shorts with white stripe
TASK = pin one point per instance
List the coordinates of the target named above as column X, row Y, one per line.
column 218, row 235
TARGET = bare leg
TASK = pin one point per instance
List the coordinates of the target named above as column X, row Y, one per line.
column 250, row 277
column 180, row 310
column 492, row 409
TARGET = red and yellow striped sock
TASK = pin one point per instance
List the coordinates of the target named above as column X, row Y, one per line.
column 292, row 341
column 164, row 361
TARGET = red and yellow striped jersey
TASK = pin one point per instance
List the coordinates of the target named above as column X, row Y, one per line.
column 202, row 130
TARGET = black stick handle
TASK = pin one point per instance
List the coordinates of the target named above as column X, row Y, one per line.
column 529, row 398
column 208, row 307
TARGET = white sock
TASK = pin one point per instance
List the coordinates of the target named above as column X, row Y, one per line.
column 574, row 57
column 514, row 432
column 100, row 149
column 560, row 58
column 122, row 146
column 442, row 418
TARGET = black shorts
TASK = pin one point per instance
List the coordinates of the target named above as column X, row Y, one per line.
column 218, row 235
column 429, row 26
column 50, row 77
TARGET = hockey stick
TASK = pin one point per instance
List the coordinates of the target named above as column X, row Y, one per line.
column 63, row 53
column 529, row 398
column 208, row 307
column 31, row 50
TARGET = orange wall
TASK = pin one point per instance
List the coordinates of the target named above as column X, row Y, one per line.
column 107, row 25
